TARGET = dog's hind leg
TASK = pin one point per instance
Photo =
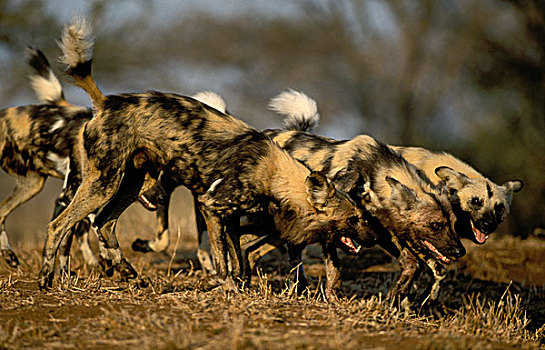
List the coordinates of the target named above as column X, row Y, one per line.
column 26, row 187
column 95, row 191
column 106, row 219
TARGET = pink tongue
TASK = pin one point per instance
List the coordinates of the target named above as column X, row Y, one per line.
column 479, row 236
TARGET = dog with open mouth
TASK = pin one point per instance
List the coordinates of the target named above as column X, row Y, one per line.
column 230, row 168
column 480, row 205
column 417, row 222
column 412, row 218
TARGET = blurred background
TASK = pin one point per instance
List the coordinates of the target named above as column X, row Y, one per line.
column 464, row 76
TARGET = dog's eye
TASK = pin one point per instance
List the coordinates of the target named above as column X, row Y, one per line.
column 499, row 209
column 437, row 226
column 476, row 202
column 353, row 221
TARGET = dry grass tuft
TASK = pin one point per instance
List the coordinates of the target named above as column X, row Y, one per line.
column 165, row 309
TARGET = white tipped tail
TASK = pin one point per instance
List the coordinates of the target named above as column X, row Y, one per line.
column 76, row 42
column 212, row 99
column 76, row 45
column 300, row 110
column 43, row 80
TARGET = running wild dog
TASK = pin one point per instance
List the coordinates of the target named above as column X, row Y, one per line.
column 36, row 142
column 480, row 205
column 417, row 214
column 230, row 167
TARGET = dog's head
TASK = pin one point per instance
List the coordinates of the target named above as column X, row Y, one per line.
column 336, row 218
column 480, row 204
column 419, row 219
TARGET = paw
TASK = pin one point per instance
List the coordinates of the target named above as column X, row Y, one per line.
column 140, row 245
column 10, row 257
column 126, row 271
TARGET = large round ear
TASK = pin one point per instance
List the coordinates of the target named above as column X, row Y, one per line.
column 453, row 179
column 514, row 185
column 401, row 196
column 319, row 190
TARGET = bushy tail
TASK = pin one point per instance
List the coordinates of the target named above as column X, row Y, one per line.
column 43, row 80
column 212, row 99
column 76, row 45
column 300, row 110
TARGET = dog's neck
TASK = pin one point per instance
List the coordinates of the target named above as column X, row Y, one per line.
column 283, row 178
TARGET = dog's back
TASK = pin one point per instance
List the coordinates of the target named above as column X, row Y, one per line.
column 39, row 138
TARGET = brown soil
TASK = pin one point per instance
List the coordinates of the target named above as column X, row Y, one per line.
column 492, row 299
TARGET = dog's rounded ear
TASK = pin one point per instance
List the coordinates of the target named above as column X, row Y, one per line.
column 514, row 185
column 401, row 196
column 319, row 190
column 453, row 179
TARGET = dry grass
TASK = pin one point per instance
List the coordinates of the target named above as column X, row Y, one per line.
column 480, row 308
column 163, row 310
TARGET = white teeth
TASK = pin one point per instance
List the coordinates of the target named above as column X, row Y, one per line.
column 358, row 249
column 486, row 237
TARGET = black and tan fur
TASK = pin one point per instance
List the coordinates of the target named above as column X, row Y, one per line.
column 401, row 202
column 480, row 205
column 230, row 167
column 36, row 142
column 416, row 215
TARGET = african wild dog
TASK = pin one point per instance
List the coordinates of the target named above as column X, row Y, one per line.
column 37, row 141
column 480, row 205
column 416, row 217
column 197, row 146
column 417, row 214
column 158, row 198
column 52, row 135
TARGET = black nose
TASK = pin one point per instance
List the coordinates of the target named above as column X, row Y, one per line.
column 458, row 252
column 488, row 225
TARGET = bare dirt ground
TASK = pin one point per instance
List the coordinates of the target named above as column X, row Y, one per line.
column 492, row 299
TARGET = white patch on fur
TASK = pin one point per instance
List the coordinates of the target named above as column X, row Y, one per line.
column 61, row 163
column 161, row 243
column 86, row 251
column 214, row 185
column 212, row 99
column 298, row 109
column 76, row 42
column 4, row 241
column 57, row 125
column 47, row 90
column 65, row 182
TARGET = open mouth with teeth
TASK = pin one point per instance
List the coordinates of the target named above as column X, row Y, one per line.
column 349, row 246
column 436, row 252
column 147, row 203
column 479, row 236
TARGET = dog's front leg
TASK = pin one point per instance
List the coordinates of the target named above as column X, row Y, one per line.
column 409, row 270
column 216, row 234
column 255, row 250
column 333, row 274
column 295, row 253
column 431, row 293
